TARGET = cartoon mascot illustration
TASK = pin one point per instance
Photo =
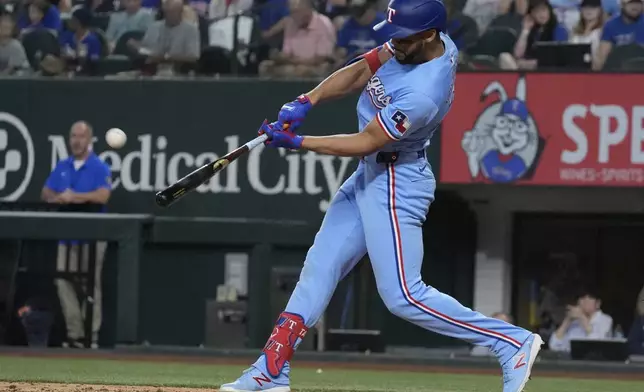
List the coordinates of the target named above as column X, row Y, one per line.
column 504, row 144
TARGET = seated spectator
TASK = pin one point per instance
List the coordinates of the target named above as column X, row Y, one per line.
column 539, row 25
column 339, row 10
column 357, row 35
column 171, row 42
column 40, row 14
column 462, row 29
column 484, row 11
column 13, row 58
column 272, row 12
column 567, row 12
column 636, row 333
column 81, row 47
column 309, row 40
column 482, row 351
column 589, row 28
column 101, row 6
column 132, row 18
column 583, row 321
column 219, row 9
column 623, row 29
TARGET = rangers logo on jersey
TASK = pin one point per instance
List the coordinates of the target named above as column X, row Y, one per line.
column 401, row 120
column 377, row 93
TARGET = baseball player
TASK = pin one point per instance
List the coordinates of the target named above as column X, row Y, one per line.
column 407, row 89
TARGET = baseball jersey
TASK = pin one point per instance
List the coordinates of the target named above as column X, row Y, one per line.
column 409, row 101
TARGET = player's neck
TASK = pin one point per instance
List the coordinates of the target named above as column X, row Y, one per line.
column 434, row 50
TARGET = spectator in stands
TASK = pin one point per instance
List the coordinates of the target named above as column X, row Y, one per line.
column 584, row 320
column 624, row 29
column 309, row 41
column 82, row 47
column 461, row 28
column 357, row 35
column 272, row 13
column 482, row 351
column 589, row 28
column 484, row 11
column 567, row 12
column 80, row 179
column 40, row 14
column 219, row 9
column 339, row 10
column 132, row 18
column 171, row 42
column 13, row 59
column 636, row 333
column 539, row 25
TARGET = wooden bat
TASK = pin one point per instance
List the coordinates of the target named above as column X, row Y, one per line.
column 193, row 180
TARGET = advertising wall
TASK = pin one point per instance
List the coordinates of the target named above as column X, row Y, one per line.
column 545, row 129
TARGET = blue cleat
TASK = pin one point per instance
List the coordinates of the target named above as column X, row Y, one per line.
column 254, row 379
column 516, row 371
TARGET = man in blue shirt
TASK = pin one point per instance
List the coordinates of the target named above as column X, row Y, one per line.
column 49, row 18
column 623, row 29
column 357, row 35
column 81, row 44
column 80, row 179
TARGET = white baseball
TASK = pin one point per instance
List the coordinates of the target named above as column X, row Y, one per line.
column 115, row 138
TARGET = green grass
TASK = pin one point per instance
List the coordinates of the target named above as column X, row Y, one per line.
column 94, row 371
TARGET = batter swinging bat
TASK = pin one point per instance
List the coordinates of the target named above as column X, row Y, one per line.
column 190, row 182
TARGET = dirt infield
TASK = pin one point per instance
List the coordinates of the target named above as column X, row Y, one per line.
column 42, row 387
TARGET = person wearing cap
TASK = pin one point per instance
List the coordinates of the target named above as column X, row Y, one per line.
column 589, row 28
column 624, row 29
column 407, row 88
column 539, row 24
column 357, row 36
column 80, row 45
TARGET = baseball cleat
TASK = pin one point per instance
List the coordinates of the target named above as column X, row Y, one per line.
column 253, row 380
column 516, row 371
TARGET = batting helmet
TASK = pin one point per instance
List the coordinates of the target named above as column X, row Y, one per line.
column 409, row 17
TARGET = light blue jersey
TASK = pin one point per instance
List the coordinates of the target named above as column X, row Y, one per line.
column 410, row 101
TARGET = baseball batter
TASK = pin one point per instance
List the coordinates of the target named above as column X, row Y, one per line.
column 407, row 89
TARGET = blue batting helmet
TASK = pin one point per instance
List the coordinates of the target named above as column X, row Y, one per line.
column 409, row 17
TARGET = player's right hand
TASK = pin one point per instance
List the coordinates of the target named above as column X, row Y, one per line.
column 278, row 137
column 294, row 112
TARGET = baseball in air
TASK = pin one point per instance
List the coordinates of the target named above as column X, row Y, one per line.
column 115, row 138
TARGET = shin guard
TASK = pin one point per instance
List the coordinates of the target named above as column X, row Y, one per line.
column 287, row 334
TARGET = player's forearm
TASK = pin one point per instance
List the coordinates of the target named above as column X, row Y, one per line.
column 342, row 82
column 355, row 145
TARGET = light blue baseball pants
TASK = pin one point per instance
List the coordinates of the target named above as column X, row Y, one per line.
column 380, row 210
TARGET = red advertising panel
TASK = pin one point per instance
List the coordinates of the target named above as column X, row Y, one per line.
column 545, row 129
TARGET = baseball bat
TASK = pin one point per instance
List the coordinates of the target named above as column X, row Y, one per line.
column 176, row 191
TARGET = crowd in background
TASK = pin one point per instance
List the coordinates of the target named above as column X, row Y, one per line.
column 287, row 38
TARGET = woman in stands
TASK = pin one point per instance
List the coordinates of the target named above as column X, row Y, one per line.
column 539, row 25
column 589, row 28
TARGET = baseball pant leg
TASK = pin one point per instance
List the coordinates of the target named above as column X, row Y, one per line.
column 393, row 209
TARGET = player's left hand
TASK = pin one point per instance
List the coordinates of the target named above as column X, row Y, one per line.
column 279, row 137
column 293, row 113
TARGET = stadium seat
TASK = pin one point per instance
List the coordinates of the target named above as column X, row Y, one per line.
column 468, row 31
column 495, row 40
column 634, row 64
column 510, row 20
column 483, row 62
column 620, row 55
